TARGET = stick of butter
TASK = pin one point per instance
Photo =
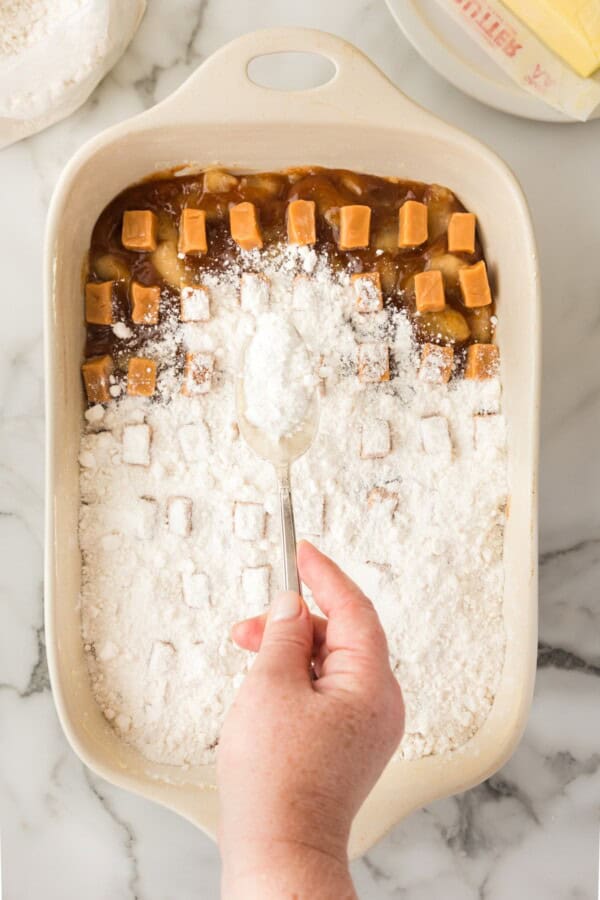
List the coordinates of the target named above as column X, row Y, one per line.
column 527, row 59
column 569, row 27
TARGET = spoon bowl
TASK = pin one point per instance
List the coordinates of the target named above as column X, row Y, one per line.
column 281, row 452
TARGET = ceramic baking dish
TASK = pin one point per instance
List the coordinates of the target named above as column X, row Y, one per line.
column 360, row 121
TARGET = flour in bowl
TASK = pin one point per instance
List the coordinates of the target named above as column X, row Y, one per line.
column 404, row 486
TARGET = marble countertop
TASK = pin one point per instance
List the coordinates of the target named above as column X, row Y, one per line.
column 531, row 831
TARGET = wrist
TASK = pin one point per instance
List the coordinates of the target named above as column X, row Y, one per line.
column 268, row 868
column 317, row 825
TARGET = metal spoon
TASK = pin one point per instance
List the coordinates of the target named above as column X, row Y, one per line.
column 281, row 452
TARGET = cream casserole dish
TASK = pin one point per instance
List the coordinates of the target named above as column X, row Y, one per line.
column 360, row 121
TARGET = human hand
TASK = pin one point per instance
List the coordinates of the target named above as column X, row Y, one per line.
column 297, row 757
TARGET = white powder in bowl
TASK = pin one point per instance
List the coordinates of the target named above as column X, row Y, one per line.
column 404, row 486
column 52, row 55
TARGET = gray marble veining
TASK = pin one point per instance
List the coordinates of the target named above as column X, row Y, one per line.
column 531, row 831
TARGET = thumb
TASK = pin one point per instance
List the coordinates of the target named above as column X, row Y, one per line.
column 286, row 647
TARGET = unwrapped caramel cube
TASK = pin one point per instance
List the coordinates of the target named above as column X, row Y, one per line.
column 429, row 291
column 435, row 434
column 141, row 377
column 383, row 498
column 195, row 304
column 301, row 227
column 256, row 582
column 436, row 364
column 249, row 520
column 192, row 231
column 196, row 589
column 373, row 363
column 98, row 302
column 474, row 285
column 367, row 286
column 245, row 229
column 482, row 361
column 412, row 230
column 197, row 373
column 461, row 233
column 145, row 302
column 355, row 225
column 136, row 444
column 375, row 439
column 179, row 516
column 139, row 231
column 96, row 373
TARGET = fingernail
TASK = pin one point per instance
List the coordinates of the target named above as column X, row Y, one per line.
column 286, row 605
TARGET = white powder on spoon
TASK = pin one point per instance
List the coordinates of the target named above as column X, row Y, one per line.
column 278, row 381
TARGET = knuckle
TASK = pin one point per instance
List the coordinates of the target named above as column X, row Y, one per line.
column 286, row 640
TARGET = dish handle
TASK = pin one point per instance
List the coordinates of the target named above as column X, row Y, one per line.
column 221, row 89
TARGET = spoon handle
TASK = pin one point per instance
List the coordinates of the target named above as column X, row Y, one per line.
column 288, row 532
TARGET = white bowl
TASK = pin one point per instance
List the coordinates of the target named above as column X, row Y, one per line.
column 360, row 121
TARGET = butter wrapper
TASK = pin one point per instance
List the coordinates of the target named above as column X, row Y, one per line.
column 523, row 56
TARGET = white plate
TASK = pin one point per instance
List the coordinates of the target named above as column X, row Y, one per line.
column 452, row 53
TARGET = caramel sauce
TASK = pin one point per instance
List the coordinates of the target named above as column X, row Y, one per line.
column 167, row 195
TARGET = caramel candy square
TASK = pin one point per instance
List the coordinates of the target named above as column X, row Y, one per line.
column 461, row 233
column 482, row 361
column 96, row 373
column 139, row 230
column 474, row 285
column 197, row 373
column 367, row 286
column 373, row 363
column 376, row 439
column 436, row 364
column 249, row 521
column 98, row 302
column 194, row 440
column 301, row 227
column 195, row 304
column 490, row 432
column 435, row 435
column 141, row 377
column 192, row 231
column 145, row 302
column 136, row 444
column 179, row 516
column 383, row 498
column 412, row 230
column 245, row 229
column 196, row 590
column 429, row 291
column 355, row 225
column 144, row 517
column 256, row 582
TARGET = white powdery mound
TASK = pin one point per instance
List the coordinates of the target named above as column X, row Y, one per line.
column 278, row 378
column 53, row 53
column 182, row 539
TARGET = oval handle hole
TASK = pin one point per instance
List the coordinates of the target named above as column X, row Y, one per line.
column 295, row 71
